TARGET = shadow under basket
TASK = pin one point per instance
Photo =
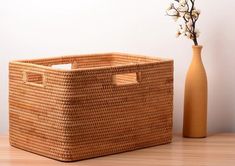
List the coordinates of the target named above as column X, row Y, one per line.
column 77, row 107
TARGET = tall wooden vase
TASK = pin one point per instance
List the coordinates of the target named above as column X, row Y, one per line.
column 195, row 99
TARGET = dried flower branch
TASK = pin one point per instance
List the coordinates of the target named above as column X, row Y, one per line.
column 185, row 13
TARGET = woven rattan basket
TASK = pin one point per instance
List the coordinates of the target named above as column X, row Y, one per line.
column 105, row 104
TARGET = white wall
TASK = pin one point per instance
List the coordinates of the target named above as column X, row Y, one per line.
column 43, row 28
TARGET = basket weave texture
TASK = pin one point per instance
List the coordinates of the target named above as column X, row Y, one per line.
column 105, row 104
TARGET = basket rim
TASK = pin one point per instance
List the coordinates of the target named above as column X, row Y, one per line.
column 26, row 62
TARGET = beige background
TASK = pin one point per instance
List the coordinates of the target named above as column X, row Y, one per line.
column 42, row 28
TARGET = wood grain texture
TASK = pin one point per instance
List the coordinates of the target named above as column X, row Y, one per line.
column 214, row 150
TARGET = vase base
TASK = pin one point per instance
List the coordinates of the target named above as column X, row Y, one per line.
column 194, row 137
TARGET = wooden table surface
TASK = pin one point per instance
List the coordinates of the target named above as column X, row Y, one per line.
column 218, row 149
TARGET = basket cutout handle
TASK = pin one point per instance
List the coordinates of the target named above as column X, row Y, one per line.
column 126, row 78
column 34, row 78
column 66, row 66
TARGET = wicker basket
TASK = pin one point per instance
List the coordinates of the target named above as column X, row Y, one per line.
column 105, row 104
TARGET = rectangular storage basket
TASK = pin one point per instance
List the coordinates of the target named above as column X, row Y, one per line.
column 105, row 104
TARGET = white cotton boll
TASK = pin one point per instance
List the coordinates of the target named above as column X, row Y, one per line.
column 173, row 12
column 175, row 18
column 189, row 35
column 195, row 12
column 169, row 7
column 181, row 14
column 189, row 24
column 183, row 8
column 197, row 32
column 182, row 32
column 182, row 2
column 178, row 33
column 177, row 5
column 184, row 29
column 198, row 11
column 187, row 16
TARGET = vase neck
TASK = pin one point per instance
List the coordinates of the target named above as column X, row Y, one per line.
column 197, row 53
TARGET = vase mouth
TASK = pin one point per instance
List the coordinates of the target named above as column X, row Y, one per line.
column 198, row 46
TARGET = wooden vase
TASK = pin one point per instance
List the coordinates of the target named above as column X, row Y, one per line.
column 195, row 99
